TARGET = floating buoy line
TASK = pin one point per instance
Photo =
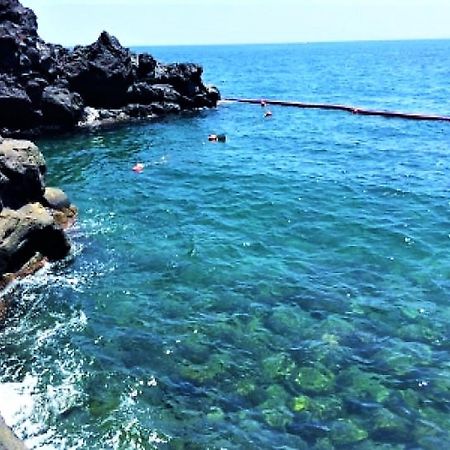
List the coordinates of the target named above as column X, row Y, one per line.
column 350, row 109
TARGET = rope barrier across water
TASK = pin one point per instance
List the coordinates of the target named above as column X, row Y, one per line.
column 350, row 109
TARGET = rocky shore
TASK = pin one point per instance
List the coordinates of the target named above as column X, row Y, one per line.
column 46, row 88
column 32, row 216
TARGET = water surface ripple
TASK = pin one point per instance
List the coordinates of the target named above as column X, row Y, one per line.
column 286, row 290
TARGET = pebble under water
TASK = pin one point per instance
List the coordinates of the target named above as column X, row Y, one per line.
column 288, row 289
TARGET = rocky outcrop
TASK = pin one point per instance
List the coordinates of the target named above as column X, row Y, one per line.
column 32, row 217
column 28, row 231
column 45, row 87
column 22, row 170
column 8, row 441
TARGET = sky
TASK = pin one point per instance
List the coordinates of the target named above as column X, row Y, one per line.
column 186, row 22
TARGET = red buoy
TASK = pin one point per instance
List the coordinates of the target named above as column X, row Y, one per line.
column 138, row 168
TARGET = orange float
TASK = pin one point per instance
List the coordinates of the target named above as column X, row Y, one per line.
column 138, row 168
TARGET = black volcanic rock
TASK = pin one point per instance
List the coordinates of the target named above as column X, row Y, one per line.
column 101, row 72
column 46, row 87
column 12, row 13
column 16, row 108
column 18, row 29
column 146, row 66
column 60, row 106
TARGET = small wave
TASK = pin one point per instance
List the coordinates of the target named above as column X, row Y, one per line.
column 31, row 405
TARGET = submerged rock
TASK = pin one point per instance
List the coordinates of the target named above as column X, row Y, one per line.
column 315, row 379
column 346, row 432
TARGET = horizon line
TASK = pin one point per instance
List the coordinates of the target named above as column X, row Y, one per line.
column 223, row 44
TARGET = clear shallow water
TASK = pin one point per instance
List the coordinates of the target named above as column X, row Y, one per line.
column 288, row 289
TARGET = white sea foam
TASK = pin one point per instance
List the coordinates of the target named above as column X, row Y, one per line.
column 30, row 404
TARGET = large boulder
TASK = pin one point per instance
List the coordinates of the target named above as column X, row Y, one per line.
column 146, row 66
column 61, row 107
column 22, row 170
column 26, row 232
column 16, row 109
column 143, row 92
column 101, row 72
column 184, row 77
column 56, row 198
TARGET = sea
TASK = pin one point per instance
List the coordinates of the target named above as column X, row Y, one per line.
column 287, row 289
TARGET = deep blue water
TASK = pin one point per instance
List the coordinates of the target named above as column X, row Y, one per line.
column 286, row 290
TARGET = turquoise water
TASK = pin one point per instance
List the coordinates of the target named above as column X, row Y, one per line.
column 286, row 290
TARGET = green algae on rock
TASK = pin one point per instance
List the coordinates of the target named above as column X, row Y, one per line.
column 346, row 432
column 316, row 380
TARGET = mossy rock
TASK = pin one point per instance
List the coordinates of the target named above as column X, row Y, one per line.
column 420, row 332
column 195, row 352
column 411, row 398
column 204, row 372
column 326, row 407
column 275, row 397
column 438, row 417
column 279, row 417
column 346, row 432
column 363, row 385
column 245, row 387
column 336, row 326
column 323, row 444
column 285, row 321
column 300, row 403
column 103, row 407
column 320, row 408
column 401, row 358
column 315, row 380
column 215, row 414
column 278, row 366
column 388, row 426
column 330, row 339
column 277, row 393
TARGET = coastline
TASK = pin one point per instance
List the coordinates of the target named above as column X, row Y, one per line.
column 47, row 89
